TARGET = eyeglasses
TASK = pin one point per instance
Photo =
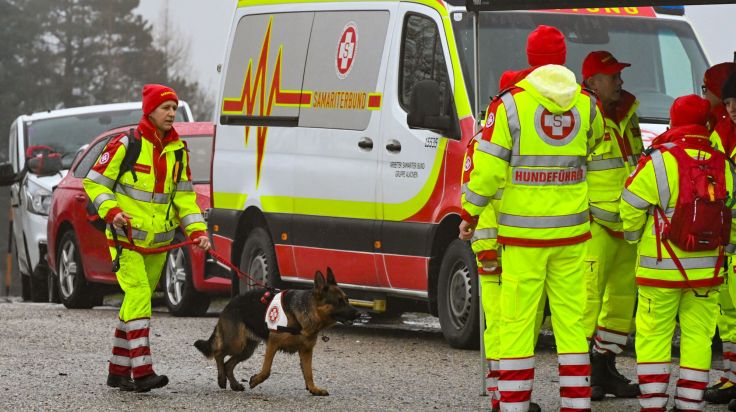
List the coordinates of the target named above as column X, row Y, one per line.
column 703, row 89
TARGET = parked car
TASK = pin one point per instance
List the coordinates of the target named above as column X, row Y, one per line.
column 61, row 131
column 78, row 254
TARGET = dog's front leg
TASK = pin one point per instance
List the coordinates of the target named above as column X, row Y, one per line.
column 265, row 372
column 305, row 357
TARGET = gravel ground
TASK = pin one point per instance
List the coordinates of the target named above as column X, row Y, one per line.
column 52, row 358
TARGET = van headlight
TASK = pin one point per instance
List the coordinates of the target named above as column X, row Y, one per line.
column 39, row 200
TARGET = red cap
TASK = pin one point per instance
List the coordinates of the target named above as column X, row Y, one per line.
column 601, row 62
column 545, row 45
column 715, row 77
column 154, row 95
column 689, row 110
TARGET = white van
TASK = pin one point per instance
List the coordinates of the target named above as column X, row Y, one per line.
column 62, row 131
column 342, row 128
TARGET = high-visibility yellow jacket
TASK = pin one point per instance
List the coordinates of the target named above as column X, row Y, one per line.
column 535, row 144
column 612, row 162
column 656, row 183
column 147, row 198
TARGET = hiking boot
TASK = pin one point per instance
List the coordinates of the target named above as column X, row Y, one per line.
column 605, row 378
column 732, row 405
column 718, row 384
column 124, row 383
column 149, row 382
column 722, row 395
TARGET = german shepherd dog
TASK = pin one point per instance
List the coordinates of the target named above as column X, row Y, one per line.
column 242, row 327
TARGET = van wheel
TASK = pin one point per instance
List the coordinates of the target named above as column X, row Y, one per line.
column 458, row 297
column 259, row 262
column 181, row 297
column 74, row 290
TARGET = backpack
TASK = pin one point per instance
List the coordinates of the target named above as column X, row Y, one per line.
column 133, row 150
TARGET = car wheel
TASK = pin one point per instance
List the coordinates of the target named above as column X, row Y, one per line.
column 258, row 261
column 181, row 297
column 74, row 290
column 457, row 297
column 40, row 284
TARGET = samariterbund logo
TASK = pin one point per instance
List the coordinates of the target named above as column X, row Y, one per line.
column 557, row 129
column 347, row 49
column 273, row 315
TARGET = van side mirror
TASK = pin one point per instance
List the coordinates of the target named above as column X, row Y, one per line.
column 424, row 110
column 7, row 177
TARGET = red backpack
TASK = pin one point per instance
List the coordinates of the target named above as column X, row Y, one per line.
column 702, row 215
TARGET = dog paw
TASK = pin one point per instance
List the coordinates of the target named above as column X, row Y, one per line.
column 318, row 392
column 237, row 387
column 221, row 383
column 254, row 381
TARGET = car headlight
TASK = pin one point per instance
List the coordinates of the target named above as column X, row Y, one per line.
column 39, row 200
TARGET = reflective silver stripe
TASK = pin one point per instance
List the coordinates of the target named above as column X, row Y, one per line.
column 684, row 405
column 573, row 359
column 653, row 369
column 141, row 361
column 193, row 218
column 136, row 234
column 512, row 117
column 547, row 177
column 593, row 114
column 542, row 222
column 185, row 186
column 612, row 337
column 694, row 375
column 733, row 213
column 499, row 195
column 607, row 164
column 574, row 381
column 476, row 199
column 519, row 364
column 124, row 140
column 164, row 236
column 706, row 262
column 138, row 324
column 633, row 236
column 120, row 343
column 494, row 150
column 138, row 343
column 605, row 215
column 484, row 234
column 660, row 173
column 548, row 161
column 733, row 178
column 635, row 200
column 100, row 179
column 144, row 196
column 120, row 360
column 463, row 188
column 100, row 199
column 579, row 404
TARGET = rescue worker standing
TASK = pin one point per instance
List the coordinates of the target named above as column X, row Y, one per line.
column 675, row 283
column 147, row 208
column 535, row 144
column 610, row 260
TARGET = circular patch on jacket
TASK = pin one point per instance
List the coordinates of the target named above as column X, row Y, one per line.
column 104, row 158
column 347, row 49
column 557, row 129
column 491, row 118
column 468, row 163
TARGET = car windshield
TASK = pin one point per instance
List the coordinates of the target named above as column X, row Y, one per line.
column 67, row 134
column 200, row 156
column 666, row 59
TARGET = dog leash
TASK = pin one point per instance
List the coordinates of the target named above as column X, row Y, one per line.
column 211, row 251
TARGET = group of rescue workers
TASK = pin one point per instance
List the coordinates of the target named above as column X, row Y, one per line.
column 560, row 186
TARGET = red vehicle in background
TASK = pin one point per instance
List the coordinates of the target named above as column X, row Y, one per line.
column 78, row 254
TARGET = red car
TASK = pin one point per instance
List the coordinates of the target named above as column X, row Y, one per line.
column 78, row 254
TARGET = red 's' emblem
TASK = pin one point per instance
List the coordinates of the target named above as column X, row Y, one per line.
column 273, row 314
column 557, row 126
column 347, row 49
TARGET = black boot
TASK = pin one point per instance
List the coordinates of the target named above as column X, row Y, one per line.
column 533, row 407
column 605, row 378
column 720, row 395
column 124, row 383
column 732, row 405
column 149, row 382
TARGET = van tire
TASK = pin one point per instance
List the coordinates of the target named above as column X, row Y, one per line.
column 457, row 300
column 181, row 297
column 74, row 290
column 258, row 260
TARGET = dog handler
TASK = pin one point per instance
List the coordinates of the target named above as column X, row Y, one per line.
column 150, row 205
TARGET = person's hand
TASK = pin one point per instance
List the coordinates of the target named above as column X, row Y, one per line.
column 203, row 242
column 466, row 230
column 489, row 265
column 120, row 220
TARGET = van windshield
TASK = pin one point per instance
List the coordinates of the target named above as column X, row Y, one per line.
column 666, row 58
column 67, row 134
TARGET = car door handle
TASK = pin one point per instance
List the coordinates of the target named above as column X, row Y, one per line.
column 366, row 143
column 393, row 146
column 80, row 198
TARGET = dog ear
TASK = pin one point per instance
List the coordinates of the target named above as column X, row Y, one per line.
column 331, row 277
column 319, row 280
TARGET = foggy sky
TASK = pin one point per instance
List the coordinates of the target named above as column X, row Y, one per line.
column 207, row 23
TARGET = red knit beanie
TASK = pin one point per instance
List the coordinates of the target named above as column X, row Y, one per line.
column 716, row 76
column 689, row 110
column 545, row 45
column 154, row 95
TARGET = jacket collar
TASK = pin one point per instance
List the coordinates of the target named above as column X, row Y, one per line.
column 149, row 132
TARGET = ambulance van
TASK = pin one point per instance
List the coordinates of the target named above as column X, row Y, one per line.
column 342, row 126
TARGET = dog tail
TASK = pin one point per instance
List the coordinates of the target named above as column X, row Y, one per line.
column 205, row 346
